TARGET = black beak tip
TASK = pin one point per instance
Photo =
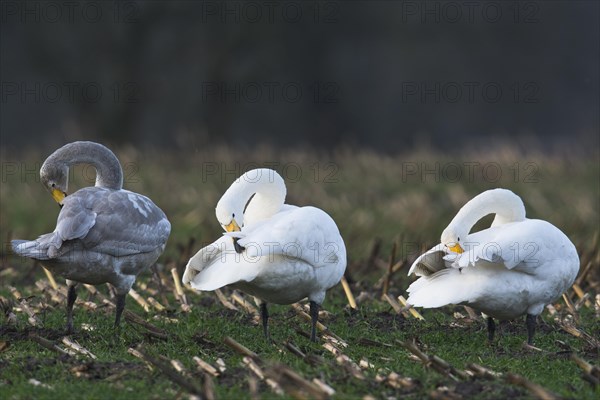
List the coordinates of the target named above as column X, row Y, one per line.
column 238, row 248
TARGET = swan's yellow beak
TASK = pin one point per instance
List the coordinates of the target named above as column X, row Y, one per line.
column 58, row 196
column 456, row 248
column 232, row 227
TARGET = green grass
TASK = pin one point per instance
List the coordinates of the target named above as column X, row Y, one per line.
column 371, row 197
column 201, row 332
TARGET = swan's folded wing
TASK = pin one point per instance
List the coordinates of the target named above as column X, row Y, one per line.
column 306, row 233
column 74, row 222
column 125, row 223
column 75, row 219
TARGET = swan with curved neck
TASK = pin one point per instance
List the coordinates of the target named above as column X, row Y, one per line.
column 507, row 206
column 515, row 267
column 288, row 253
column 103, row 234
column 253, row 197
column 55, row 170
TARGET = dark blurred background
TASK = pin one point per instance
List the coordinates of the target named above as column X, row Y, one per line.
column 384, row 75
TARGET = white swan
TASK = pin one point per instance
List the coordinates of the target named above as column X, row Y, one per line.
column 103, row 233
column 276, row 252
column 515, row 267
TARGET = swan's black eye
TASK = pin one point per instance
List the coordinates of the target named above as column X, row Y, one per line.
column 458, row 239
column 233, row 215
column 54, row 185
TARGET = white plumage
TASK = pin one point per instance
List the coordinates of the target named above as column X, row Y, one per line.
column 515, row 267
column 280, row 254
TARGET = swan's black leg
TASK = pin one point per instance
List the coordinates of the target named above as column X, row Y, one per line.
column 530, row 322
column 120, row 307
column 491, row 326
column 71, row 297
column 264, row 313
column 314, row 317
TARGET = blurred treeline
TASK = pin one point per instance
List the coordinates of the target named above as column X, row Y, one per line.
column 383, row 75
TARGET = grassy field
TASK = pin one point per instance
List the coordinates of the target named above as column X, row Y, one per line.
column 377, row 201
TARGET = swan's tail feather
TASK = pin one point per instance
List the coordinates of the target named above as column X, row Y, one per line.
column 30, row 248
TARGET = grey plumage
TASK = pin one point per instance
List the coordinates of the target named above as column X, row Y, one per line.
column 104, row 234
column 430, row 263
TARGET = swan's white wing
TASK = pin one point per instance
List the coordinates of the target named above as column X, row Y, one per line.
column 458, row 286
column 437, row 290
column 218, row 265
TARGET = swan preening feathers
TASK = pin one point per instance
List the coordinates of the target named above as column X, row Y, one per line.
column 515, row 267
column 281, row 253
column 276, row 252
column 104, row 234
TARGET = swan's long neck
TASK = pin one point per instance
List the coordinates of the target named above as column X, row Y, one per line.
column 507, row 206
column 260, row 193
column 108, row 169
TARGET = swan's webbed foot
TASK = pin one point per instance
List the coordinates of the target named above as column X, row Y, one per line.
column 71, row 297
column 238, row 248
column 530, row 321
